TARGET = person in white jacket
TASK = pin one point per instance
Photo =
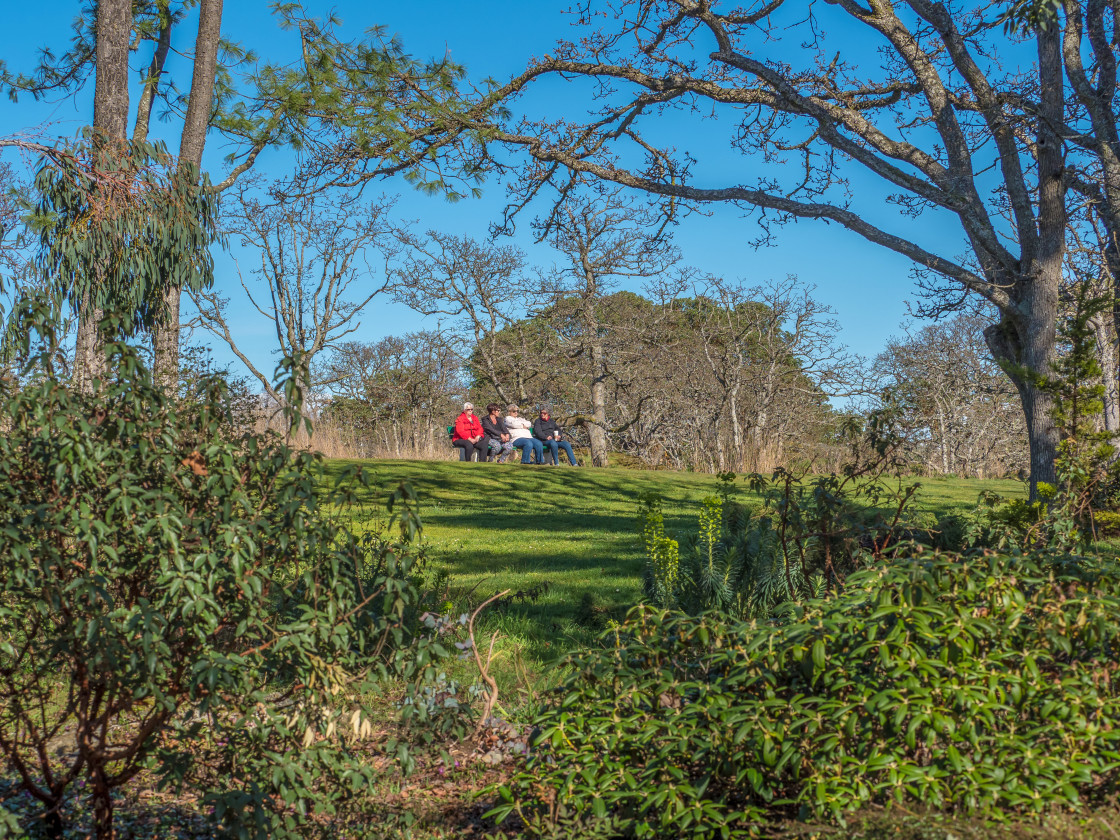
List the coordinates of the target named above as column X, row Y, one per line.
column 521, row 436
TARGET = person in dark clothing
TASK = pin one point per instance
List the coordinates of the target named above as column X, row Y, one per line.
column 547, row 432
column 494, row 427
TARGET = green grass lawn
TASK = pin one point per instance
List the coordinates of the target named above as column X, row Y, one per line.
column 570, row 532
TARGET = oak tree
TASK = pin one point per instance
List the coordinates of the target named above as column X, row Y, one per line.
column 603, row 240
column 936, row 105
column 396, row 395
column 957, row 411
column 772, row 354
column 314, row 257
column 480, row 294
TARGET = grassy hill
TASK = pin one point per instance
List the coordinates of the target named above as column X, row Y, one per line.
column 565, row 537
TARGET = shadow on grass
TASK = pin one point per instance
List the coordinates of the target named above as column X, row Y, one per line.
column 575, row 530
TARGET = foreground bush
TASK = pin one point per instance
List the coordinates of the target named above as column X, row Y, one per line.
column 976, row 684
column 808, row 535
column 179, row 600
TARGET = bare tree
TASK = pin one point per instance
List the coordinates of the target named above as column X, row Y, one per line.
column 956, row 408
column 396, row 394
column 315, row 264
column 917, row 100
column 482, row 298
column 680, row 408
column 604, row 240
column 765, row 346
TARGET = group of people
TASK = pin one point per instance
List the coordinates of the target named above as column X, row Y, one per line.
column 493, row 437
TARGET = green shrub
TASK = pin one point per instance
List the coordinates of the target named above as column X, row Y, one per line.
column 806, row 537
column 977, row 684
column 1011, row 524
column 178, row 601
column 1107, row 524
column 950, row 532
column 662, row 573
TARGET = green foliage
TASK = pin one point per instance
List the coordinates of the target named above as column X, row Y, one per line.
column 360, row 98
column 177, row 600
column 584, row 538
column 363, row 98
column 56, row 73
column 1108, row 524
column 979, row 684
column 725, row 487
column 950, row 532
column 1009, row 524
column 1086, row 464
column 807, row 536
column 119, row 225
column 1086, row 460
column 711, row 572
column 1025, row 17
column 662, row 577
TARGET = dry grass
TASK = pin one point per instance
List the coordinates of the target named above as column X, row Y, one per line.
column 335, row 440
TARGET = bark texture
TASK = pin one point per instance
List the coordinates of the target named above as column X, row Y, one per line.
column 192, row 144
column 110, row 123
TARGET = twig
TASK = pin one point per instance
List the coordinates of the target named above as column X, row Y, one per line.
column 484, row 669
column 1109, row 827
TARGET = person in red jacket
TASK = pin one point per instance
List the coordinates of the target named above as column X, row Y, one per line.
column 468, row 435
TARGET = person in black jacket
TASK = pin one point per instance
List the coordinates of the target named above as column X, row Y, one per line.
column 546, row 431
column 494, row 427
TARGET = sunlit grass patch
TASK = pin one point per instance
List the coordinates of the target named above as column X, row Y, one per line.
column 561, row 536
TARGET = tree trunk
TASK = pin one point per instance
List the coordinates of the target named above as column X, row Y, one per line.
column 943, row 446
column 153, row 76
column 88, row 357
column 736, row 431
column 102, row 798
column 1043, row 436
column 765, row 460
column 165, row 339
column 1041, row 294
column 55, row 825
column 1023, row 341
column 1023, row 345
column 759, row 462
column 110, row 123
column 1105, row 334
column 486, row 345
column 597, row 430
column 110, row 97
column 1108, row 337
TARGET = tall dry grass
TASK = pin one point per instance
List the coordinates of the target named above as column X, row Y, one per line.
column 333, row 439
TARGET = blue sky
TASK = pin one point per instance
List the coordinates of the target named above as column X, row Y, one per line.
column 866, row 285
